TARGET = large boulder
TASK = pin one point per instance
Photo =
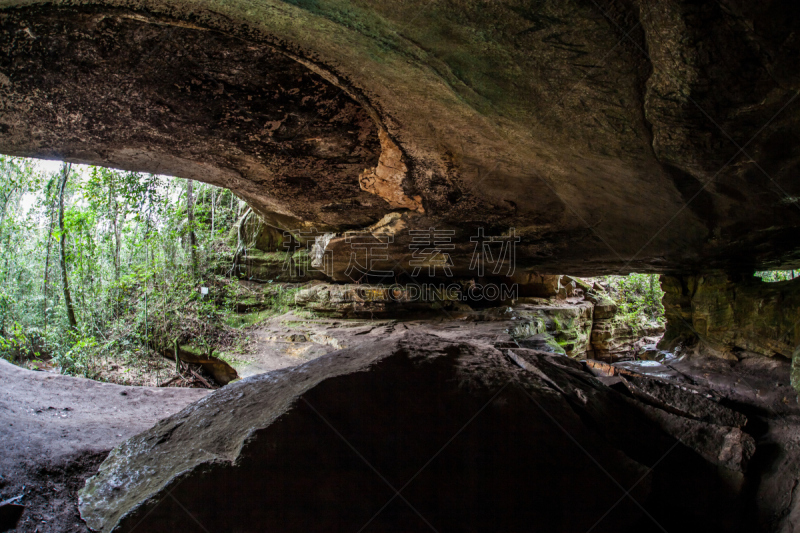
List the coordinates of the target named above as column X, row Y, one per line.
column 412, row 432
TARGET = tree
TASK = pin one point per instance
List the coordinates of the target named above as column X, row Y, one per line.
column 113, row 206
column 73, row 323
column 47, row 256
column 102, row 193
column 113, row 245
column 190, row 221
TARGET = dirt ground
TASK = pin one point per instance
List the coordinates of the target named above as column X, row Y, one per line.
column 56, row 430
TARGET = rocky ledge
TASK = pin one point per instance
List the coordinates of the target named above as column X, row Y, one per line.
column 568, row 316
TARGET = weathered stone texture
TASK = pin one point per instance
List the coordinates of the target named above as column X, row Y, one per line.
column 350, row 300
column 795, row 376
column 732, row 316
column 613, row 338
column 577, row 327
column 316, row 448
column 633, row 136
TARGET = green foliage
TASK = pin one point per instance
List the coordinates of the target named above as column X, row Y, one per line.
column 18, row 344
column 777, row 275
column 80, row 358
column 127, row 257
column 556, row 346
column 638, row 297
column 281, row 299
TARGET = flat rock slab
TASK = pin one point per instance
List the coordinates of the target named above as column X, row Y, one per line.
column 52, row 424
column 291, row 339
column 420, row 429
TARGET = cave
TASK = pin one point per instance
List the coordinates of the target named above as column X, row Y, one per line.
column 495, row 156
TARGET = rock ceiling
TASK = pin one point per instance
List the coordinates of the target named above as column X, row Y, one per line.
column 613, row 136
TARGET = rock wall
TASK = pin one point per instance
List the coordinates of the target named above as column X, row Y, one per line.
column 351, row 300
column 732, row 316
column 569, row 316
column 555, row 326
column 613, row 337
column 263, row 253
column 795, row 375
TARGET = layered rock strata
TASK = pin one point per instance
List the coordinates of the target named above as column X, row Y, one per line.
column 732, row 316
column 578, row 326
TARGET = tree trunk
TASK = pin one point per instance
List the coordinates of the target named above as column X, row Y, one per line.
column 212, row 213
column 117, row 227
column 73, row 323
column 47, row 262
column 114, row 205
column 190, row 219
column 5, row 209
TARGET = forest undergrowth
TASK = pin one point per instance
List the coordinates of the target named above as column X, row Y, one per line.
column 104, row 271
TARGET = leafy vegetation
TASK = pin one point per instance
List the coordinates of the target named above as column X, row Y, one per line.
column 778, row 275
column 638, row 297
column 101, row 269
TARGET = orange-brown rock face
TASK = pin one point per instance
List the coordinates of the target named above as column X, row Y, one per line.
column 137, row 91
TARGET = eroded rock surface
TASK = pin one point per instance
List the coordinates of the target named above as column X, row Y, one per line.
column 141, row 91
column 578, row 325
column 420, row 427
column 612, row 136
column 733, row 316
column 613, row 338
column 760, row 388
column 350, row 300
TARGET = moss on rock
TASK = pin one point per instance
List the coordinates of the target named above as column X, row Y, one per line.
column 729, row 314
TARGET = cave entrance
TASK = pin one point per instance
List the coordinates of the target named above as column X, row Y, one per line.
column 156, row 96
column 157, row 265
column 108, row 272
column 774, row 276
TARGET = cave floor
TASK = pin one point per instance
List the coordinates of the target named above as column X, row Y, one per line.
column 292, row 339
column 56, row 430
